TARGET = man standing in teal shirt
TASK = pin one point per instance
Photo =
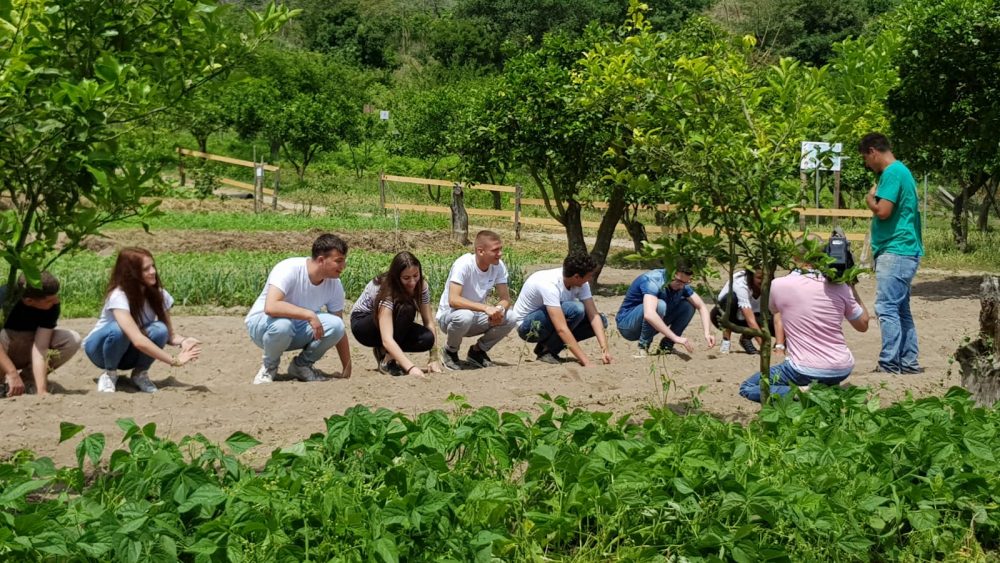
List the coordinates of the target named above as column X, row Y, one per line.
column 897, row 246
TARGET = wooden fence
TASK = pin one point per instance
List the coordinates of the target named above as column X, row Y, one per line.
column 256, row 188
column 517, row 217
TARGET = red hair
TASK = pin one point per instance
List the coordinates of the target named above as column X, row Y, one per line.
column 127, row 276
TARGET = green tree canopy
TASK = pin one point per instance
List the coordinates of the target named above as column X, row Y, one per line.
column 945, row 110
column 75, row 77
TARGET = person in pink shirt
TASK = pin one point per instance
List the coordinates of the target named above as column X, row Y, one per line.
column 808, row 318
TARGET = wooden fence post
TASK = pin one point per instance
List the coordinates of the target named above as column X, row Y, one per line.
column 274, row 195
column 459, row 216
column 836, row 195
column 517, row 211
column 381, row 192
column 802, row 216
column 258, row 188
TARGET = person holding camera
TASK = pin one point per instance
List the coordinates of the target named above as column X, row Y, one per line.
column 808, row 314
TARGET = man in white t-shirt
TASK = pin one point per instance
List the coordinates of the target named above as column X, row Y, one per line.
column 809, row 312
column 552, row 307
column 463, row 310
column 288, row 313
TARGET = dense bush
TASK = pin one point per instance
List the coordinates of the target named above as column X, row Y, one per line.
column 826, row 476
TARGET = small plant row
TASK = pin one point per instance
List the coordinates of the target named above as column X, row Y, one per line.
column 824, row 476
column 233, row 279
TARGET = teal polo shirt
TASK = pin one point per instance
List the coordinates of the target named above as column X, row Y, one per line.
column 900, row 233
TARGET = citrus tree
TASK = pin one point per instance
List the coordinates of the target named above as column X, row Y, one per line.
column 76, row 77
column 722, row 137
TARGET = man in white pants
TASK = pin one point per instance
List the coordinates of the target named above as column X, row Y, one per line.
column 463, row 310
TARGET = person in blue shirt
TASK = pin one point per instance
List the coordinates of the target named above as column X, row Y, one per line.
column 660, row 303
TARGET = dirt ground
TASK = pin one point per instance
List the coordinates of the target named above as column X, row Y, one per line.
column 214, row 396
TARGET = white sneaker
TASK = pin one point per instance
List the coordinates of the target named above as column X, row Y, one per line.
column 264, row 376
column 106, row 383
column 141, row 380
column 304, row 373
column 724, row 347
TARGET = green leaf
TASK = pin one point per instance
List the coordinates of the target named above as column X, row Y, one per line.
column 19, row 491
column 67, row 430
column 204, row 546
column 207, row 495
column 979, row 449
column 240, row 442
column 387, row 550
column 92, row 447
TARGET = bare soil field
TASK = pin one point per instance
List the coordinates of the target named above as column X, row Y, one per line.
column 214, row 396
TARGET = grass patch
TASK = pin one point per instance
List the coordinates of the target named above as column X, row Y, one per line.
column 231, row 281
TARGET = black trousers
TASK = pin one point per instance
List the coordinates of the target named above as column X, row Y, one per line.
column 410, row 336
column 720, row 310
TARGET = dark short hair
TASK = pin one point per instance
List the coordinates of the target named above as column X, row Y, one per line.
column 684, row 267
column 875, row 141
column 48, row 287
column 578, row 263
column 327, row 242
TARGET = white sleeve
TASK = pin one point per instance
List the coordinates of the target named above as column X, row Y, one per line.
column 282, row 278
column 459, row 273
column 742, row 292
column 336, row 303
column 168, row 300
column 550, row 295
column 117, row 300
column 585, row 292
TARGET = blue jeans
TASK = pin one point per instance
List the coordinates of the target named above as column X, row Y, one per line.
column 537, row 327
column 279, row 335
column 894, row 275
column 783, row 377
column 633, row 326
column 109, row 348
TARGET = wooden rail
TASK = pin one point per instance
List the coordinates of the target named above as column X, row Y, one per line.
column 257, row 188
column 519, row 201
column 226, row 159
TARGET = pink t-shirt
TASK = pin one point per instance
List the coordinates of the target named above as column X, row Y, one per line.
column 813, row 312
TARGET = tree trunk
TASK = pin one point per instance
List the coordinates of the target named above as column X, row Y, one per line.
column 459, row 216
column 572, row 221
column 980, row 360
column 606, row 232
column 636, row 230
column 497, row 202
column 989, row 202
column 202, row 143
column 959, row 221
column 275, row 147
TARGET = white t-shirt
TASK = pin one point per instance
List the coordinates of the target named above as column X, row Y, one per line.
column 292, row 278
column 545, row 288
column 476, row 284
column 118, row 300
column 744, row 297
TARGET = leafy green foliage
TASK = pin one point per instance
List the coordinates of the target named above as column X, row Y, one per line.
column 75, row 76
column 945, row 109
column 805, row 29
column 302, row 102
column 827, row 475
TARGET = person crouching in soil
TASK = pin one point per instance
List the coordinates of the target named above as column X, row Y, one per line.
column 384, row 317
column 134, row 326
